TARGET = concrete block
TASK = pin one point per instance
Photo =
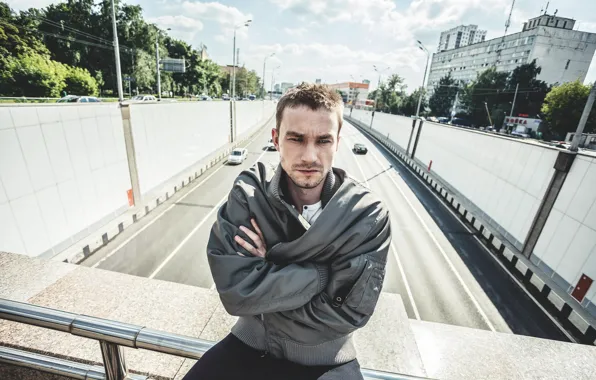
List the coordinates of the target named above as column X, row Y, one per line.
column 486, row 233
column 521, row 267
column 469, row 217
column 443, row 193
column 95, row 243
column 449, row 198
column 477, row 224
column 496, row 243
column 462, row 210
column 508, row 254
column 126, row 222
column 113, row 232
column 577, row 321
column 537, row 282
column 557, row 301
column 455, row 203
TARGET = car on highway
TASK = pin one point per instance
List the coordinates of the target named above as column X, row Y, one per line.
column 270, row 145
column 359, row 149
column 225, row 97
column 237, row 156
column 78, row 99
column 143, row 98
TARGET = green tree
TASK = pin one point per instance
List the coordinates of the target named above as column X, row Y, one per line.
column 490, row 87
column 531, row 91
column 563, row 107
column 441, row 101
column 79, row 81
column 410, row 102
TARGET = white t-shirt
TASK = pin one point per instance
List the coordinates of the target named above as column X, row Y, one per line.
column 311, row 212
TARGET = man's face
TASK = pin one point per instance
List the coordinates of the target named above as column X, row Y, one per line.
column 307, row 142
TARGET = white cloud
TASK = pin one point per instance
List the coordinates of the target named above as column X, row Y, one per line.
column 223, row 14
column 178, row 22
column 296, row 32
column 21, row 5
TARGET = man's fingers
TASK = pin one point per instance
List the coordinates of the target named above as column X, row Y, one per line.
column 256, row 227
column 245, row 245
column 254, row 237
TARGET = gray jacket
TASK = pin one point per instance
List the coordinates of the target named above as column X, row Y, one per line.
column 317, row 284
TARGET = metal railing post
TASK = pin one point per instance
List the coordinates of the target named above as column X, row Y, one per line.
column 411, row 135
column 113, row 361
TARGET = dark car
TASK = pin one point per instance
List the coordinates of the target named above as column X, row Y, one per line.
column 360, row 149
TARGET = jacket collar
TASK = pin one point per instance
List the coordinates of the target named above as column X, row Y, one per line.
column 335, row 177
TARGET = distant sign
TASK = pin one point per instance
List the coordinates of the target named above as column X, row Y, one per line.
column 173, row 65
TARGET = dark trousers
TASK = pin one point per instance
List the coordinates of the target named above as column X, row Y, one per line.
column 231, row 359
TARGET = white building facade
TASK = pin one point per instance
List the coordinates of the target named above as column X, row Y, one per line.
column 563, row 54
column 460, row 36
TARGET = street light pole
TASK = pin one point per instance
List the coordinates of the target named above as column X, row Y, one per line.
column 117, row 53
column 272, row 81
column 264, row 62
column 157, row 61
column 514, row 98
column 233, row 81
column 377, row 92
column 421, row 46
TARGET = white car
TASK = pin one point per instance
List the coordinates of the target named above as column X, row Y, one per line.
column 237, row 156
column 144, row 98
column 270, row 145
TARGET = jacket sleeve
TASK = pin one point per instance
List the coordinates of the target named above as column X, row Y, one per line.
column 249, row 285
column 348, row 301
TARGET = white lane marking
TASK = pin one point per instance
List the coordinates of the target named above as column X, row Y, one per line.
column 403, row 275
column 194, row 230
column 519, row 284
column 131, row 237
column 443, row 253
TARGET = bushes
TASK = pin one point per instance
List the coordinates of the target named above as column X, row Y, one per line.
column 36, row 75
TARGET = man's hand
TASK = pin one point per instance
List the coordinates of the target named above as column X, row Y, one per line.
column 261, row 249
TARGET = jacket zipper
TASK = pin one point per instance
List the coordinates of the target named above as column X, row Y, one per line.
column 266, row 337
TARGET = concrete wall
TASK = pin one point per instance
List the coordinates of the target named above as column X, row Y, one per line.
column 170, row 137
column 505, row 180
column 62, row 169
column 249, row 114
column 503, row 177
column 568, row 242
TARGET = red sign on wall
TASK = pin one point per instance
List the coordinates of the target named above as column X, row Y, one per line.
column 131, row 199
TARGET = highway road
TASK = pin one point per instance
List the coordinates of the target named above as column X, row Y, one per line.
column 435, row 263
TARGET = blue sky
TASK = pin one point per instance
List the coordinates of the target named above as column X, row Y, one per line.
column 336, row 40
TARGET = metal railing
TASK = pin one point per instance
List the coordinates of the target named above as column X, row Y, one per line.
column 111, row 335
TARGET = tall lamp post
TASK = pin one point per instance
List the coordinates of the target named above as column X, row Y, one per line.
column 264, row 62
column 117, row 54
column 378, row 84
column 424, row 49
column 233, row 91
column 157, row 61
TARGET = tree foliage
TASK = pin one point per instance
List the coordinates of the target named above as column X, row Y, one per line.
column 563, row 108
column 78, row 33
column 497, row 89
column 443, row 97
column 390, row 94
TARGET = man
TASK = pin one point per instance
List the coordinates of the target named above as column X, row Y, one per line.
column 299, row 254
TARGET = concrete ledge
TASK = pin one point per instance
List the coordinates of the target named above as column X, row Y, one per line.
column 557, row 301
column 578, row 322
column 486, row 233
column 496, row 243
column 469, row 217
column 537, row 282
column 521, row 267
column 508, row 254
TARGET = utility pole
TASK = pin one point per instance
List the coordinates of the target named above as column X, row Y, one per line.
column 514, row 97
column 583, row 120
column 454, row 105
column 423, row 48
column 157, row 65
column 488, row 114
column 117, row 53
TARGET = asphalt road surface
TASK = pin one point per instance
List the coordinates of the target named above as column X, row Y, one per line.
column 436, row 264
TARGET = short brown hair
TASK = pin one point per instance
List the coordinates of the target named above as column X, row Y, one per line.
column 313, row 96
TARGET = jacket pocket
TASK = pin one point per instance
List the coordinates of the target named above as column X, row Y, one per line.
column 365, row 293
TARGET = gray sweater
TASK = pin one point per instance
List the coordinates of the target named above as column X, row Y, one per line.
column 317, row 284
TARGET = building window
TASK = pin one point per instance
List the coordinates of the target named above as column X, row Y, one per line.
column 557, row 24
column 567, row 64
column 564, row 24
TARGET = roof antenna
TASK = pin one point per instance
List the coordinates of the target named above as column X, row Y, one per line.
column 546, row 9
column 556, row 10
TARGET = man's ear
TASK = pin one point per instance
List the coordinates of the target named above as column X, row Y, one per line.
column 275, row 138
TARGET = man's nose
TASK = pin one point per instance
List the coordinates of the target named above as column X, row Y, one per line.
column 309, row 154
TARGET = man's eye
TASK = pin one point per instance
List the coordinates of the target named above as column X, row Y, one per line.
column 324, row 141
column 294, row 139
